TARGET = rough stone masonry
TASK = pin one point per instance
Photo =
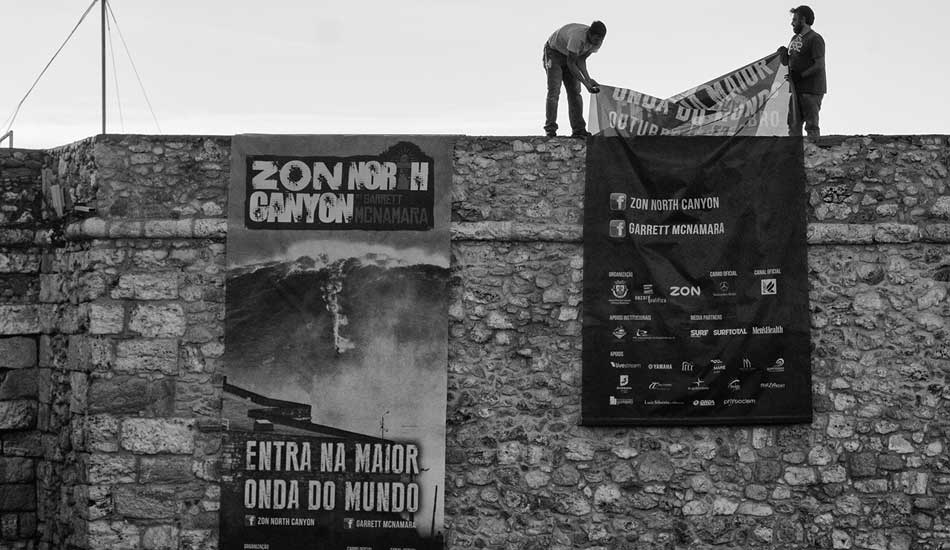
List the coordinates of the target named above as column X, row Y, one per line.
column 111, row 332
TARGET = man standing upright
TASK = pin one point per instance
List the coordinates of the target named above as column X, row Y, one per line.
column 805, row 57
column 565, row 60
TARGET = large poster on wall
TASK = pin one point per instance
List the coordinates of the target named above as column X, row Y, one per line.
column 336, row 342
column 749, row 101
column 695, row 282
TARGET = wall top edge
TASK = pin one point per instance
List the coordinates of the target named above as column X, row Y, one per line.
column 115, row 138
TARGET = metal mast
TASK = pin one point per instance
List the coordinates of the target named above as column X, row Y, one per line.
column 103, row 6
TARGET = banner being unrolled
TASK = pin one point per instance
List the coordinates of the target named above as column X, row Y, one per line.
column 750, row 101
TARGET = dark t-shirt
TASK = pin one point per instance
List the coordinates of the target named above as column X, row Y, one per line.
column 803, row 50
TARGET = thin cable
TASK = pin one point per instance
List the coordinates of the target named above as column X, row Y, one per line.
column 12, row 117
column 134, row 69
column 115, row 77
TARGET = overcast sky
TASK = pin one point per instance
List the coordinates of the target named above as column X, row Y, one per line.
column 439, row 66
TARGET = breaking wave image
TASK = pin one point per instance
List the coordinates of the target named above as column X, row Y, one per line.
column 300, row 318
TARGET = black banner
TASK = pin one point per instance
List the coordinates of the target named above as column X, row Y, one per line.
column 336, row 343
column 695, row 282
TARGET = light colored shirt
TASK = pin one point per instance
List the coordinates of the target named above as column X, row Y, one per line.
column 572, row 39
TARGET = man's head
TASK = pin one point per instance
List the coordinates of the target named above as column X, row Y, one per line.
column 801, row 16
column 596, row 33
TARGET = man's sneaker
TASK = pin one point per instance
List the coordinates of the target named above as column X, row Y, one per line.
column 582, row 134
column 550, row 133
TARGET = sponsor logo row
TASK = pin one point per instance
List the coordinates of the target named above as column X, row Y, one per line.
column 615, row 401
column 625, row 385
column 624, row 292
column 714, row 366
column 621, row 333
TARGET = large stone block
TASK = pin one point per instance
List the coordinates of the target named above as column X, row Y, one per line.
column 655, row 467
column 17, row 415
column 110, row 468
column 754, row 509
column 78, row 392
column 130, row 395
column 161, row 537
column 147, row 286
column 19, row 319
column 99, row 502
column 88, row 353
column 899, row 444
column 722, row 506
column 8, row 526
column 62, row 318
column 96, row 228
column 19, row 384
column 106, row 318
column 912, row 483
column 54, row 287
column 15, row 262
column 833, row 474
column 114, row 535
column 17, row 352
column 198, row 539
column 51, row 350
column 143, row 355
column 158, row 320
column 91, row 286
column 166, row 469
column 839, row 426
column 27, row 524
column 22, row 443
column 153, row 501
column 863, row 464
column 696, row 508
column 16, row 470
column 101, row 433
column 158, row 435
column 17, row 236
column 104, row 258
column 167, row 229
column 795, row 475
column 209, row 228
column 17, row 497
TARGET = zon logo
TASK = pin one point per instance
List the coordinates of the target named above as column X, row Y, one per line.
column 684, row 291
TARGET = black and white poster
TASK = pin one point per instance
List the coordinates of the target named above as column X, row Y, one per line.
column 695, row 282
column 336, row 342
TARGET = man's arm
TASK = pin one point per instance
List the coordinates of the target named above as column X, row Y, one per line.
column 577, row 64
column 818, row 65
column 783, row 55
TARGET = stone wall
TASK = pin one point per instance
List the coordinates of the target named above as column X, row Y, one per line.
column 128, row 321
column 20, row 448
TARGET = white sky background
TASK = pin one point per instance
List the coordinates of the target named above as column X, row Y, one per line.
column 439, row 66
